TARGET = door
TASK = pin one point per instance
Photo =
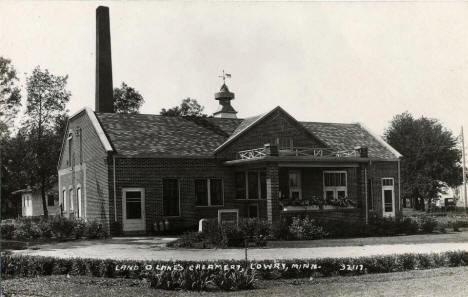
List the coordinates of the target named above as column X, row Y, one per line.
column 388, row 197
column 133, row 203
column 295, row 187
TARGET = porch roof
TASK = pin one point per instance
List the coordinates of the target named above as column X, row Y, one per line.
column 306, row 161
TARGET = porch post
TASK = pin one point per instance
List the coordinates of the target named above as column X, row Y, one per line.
column 272, row 183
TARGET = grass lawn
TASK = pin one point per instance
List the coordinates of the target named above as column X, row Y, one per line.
column 402, row 239
column 436, row 282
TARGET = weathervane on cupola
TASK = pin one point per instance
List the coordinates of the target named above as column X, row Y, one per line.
column 224, row 96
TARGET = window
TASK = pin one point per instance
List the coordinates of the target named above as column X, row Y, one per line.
column 388, row 197
column 216, row 192
column 334, row 185
column 295, row 189
column 387, row 181
column 240, row 185
column 263, row 184
column 50, row 200
column 285, row 143
column 370, row 198
column 71, row 200
column 69, row 139
column 133, row 204
column 78, row 197
column 64, row 197
column 201, row 191
column 81, row 145
column 252, row 211
column 209, row 192
column 171, row 197
column 252, row 184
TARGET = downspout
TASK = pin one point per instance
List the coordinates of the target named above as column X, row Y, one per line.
column 399, row 186
column 115, row 195
column 365, row 190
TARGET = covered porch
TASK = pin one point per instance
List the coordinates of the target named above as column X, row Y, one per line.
column 322, row 183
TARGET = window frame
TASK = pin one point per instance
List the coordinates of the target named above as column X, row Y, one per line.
column 69, row 143
column 64, row 200
column 178, row 192
column 297, row 188
column 246, row 184
column 49, row 196
column 335, row 189
column 208, row 191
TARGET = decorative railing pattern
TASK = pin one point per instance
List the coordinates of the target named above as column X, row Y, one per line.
column 252, row 154
column 258, row 153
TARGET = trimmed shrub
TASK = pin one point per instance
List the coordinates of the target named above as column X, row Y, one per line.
column 95, row 230
column 225, row 279
column 407, row 226
column 306, row 229
column 80, row 228
column 62, row 227
column 428, row 224
column 7, row 230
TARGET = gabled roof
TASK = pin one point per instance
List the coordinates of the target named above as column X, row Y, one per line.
column 252, row 121
column 144, row 135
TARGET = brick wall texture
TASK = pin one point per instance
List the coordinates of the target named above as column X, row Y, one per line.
column 93, row 172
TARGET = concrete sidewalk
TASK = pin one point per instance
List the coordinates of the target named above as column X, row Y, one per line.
column 152, row 248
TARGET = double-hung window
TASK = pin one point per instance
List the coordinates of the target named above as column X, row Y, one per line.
column 171, row 203
column 334, row 185
column 209, row 192
column 251, row 184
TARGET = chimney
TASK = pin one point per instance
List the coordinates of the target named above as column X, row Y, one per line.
column 104, row 90
column 225, row 110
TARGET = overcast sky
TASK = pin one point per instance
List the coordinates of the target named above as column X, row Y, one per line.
column 329, row 62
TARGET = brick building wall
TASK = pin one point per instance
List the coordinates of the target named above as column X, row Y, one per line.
column 89, row 171
column 377, row 171
column 148, row 173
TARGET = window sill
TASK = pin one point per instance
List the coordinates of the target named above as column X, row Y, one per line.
column 249, row 200
column 208, row 206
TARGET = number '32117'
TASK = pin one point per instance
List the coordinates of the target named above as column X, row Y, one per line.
column 352, row 267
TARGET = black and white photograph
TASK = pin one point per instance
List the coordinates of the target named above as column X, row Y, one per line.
column 233, row 148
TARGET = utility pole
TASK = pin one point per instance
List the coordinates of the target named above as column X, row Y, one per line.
column 464, row 174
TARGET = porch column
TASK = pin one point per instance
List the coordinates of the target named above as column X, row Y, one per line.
column 272, row 183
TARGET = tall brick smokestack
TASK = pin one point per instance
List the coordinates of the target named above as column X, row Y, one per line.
column 104, row 90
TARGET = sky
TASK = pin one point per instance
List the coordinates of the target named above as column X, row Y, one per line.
column 327, row 62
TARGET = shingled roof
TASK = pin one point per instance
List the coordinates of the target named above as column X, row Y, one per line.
column 144, row 135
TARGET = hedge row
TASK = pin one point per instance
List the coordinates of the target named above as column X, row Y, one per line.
column 31, row 266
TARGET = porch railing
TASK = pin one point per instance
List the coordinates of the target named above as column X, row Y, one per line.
column 252, row 154
column 258, row 153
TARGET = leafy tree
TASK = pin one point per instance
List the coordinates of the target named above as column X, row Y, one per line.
column 188, row 107
column 127, row 99
column 430, row 155
column 45, row 108
column 10, row 94
column 10, row 101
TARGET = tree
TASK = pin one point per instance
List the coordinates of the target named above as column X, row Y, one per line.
column 47, row 98
column 430, row 156
column 127, row 99
column 10, row 94
column 10, row 101
column 188, row 107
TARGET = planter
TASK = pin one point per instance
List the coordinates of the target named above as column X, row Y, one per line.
column 301, row 208
column 329, row 207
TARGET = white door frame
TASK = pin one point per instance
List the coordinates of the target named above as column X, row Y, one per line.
column 133, row 224
column 392, row 188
